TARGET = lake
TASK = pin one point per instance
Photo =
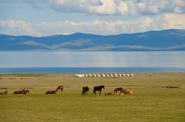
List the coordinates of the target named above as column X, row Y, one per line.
column 78, row 62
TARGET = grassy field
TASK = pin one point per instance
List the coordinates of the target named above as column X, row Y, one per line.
column 149, row 103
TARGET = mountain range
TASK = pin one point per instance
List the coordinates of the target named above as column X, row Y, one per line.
column 163, row 40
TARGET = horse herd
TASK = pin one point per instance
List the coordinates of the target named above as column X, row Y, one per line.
column 116, row 91
column 85, row 91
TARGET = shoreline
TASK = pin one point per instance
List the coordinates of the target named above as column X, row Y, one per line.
column 94, row 70
column 40, row 74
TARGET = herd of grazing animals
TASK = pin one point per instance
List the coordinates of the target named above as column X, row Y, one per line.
column 85, row 91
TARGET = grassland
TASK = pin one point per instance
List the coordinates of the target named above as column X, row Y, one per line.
column 149, row 103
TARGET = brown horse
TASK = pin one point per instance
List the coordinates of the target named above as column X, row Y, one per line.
column 51, row 92
column 128, row 91
column 60, row 88
column 24, row 91
column 85, row 90
column 17, row 92
column 125, row 91
column 118, row 90
column 5, row 92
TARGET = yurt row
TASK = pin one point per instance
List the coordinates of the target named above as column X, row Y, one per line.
column 113, row 75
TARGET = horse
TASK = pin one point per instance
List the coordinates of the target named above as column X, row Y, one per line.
column 118, row 90
column 22, row 92
column 51, row 92
column 17, row 92
column 98, row 88
column 60, row 88
column 25, row 91
column 125, row 91
column 85, row 90
column 5, row 92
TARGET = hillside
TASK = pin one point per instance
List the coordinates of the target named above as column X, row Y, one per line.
column 165, row 40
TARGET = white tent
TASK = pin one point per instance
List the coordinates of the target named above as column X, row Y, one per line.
column 103, row 75
column 79, row 75
column 98, row 75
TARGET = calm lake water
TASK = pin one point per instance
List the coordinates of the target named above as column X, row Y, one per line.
column 70, row 70
column 78, row 62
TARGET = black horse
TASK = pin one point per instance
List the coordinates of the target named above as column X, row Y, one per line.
column 85, row 90
column 98, row 88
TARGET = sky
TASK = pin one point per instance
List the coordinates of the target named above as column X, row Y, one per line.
column 105, row 17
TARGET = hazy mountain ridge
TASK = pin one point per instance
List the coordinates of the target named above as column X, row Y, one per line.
column 165, row 40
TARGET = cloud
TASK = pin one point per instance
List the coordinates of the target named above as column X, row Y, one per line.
column 97, row 26
column 173, row 21
column 19, row 27
column 110, row 7
column 152, row 7
column 164, row 21
column 147, row 22
column 107, row 7
column 122, row 7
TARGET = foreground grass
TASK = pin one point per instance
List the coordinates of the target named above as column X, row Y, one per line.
column 149, row 103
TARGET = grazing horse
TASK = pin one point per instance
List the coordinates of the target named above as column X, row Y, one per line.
column 118, row 90
column 17, row 92
column 22, row 92
column 25, row 91
column 98, row 88
column 85, row 90
column 60, row 88
column 51, row 92
column 126, row 91
column 5, row 92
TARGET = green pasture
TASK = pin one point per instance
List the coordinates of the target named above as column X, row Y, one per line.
column 149, row 103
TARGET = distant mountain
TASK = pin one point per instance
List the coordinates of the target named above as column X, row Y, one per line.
column 165, row 40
